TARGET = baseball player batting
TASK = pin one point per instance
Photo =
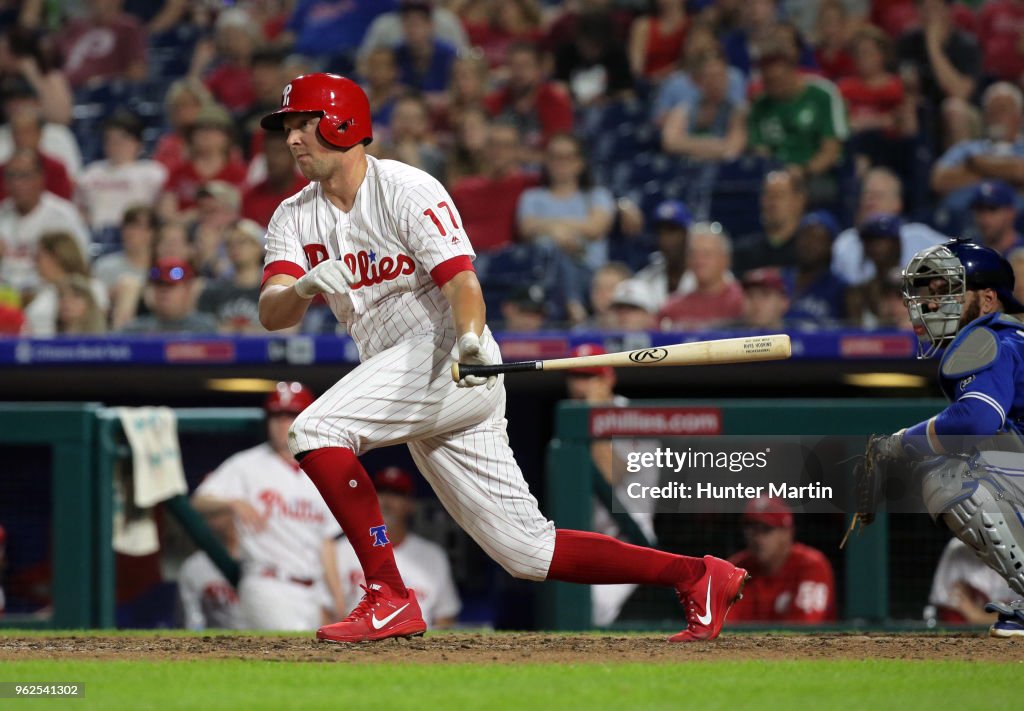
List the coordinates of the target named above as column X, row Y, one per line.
column 384, row 244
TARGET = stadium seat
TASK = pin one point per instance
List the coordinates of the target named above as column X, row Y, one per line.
column 505, row 270
column 170, row 53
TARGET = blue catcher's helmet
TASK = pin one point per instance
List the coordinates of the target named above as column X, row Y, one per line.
column 936, row 281
column 987, row 269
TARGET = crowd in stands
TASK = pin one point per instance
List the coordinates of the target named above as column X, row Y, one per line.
column 618, row 164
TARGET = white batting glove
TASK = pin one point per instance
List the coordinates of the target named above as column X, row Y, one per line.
column 472, row 353
column 330, row 277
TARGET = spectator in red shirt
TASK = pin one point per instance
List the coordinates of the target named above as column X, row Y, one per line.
column 106, row 44
column 831, row 50
column 881, row 114
column 1000, row 29
column 282, row 181
column 184, row 100
column 656, row 40
column 791, row 582
column 716, row 298
column 874, row 96
column 27, row 133
column 210, row 157
column 231, row 51
column 495, row 26
column 540, row 107
column 897, row 17
column 487, row 202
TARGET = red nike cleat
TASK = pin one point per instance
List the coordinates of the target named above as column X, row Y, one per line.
column 379, row 615
column 708, row 600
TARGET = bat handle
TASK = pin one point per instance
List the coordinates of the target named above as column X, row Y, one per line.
column 461, row 370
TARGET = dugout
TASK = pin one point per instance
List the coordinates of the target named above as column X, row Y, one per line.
column 56, row 491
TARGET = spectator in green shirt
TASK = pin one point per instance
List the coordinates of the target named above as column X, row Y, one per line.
column 798, row 119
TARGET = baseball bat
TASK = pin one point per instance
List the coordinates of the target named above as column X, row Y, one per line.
column 727, row 350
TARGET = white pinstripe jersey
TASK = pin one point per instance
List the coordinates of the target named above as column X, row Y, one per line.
column 403, row 237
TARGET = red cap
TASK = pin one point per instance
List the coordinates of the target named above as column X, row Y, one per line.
column 171, row 270
column 288, row 398
column 769, row 510
column 590, row 349
column 766, row 278
column 3, row 536
column 395, row 480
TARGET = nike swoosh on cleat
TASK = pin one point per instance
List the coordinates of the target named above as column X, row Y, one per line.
column 377, row 624
column 705, row 619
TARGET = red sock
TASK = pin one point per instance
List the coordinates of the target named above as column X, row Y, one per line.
column 352, row 498
column 596, row 559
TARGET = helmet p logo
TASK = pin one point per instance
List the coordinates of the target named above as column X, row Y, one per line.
column 285, row 95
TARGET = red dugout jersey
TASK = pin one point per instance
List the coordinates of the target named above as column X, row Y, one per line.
column 801, row 591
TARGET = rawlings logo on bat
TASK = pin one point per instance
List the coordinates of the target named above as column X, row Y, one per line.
column 648, row 355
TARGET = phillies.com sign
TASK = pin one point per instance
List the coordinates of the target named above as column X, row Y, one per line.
column 655, row 421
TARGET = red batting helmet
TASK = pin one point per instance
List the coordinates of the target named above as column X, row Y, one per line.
column 289, row 399
column 342, row 105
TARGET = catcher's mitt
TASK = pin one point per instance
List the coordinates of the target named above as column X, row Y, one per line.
column 883, row 453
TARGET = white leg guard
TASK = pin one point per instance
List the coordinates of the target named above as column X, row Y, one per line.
column 979, row 504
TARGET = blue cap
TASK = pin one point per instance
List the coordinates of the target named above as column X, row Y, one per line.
column 673, row 212
column 881, row 226
column 992, row 193
column 821, row 218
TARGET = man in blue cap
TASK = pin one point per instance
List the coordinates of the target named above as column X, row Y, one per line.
column 881, row 193
column 995, row 212
column 882, row 244
column 817, row 293
column 667, row 275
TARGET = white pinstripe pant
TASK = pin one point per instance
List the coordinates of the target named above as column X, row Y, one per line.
column 456, row 436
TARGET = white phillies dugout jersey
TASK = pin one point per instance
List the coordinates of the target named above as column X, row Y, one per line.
column 402, row 236
column 424, row 567
column 298, row 520
column 207, row 599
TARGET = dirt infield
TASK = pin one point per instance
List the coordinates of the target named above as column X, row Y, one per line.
column 512, row 648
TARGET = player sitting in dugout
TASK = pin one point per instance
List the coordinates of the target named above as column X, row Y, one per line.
column 791, row 582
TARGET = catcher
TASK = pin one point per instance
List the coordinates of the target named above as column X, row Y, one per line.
column 960, row 299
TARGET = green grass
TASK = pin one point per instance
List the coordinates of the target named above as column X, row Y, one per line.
column 236, row 684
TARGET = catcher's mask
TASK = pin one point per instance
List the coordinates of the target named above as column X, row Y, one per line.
column 935, row 285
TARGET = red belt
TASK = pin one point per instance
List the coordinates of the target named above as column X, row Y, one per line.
column 273, row 573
